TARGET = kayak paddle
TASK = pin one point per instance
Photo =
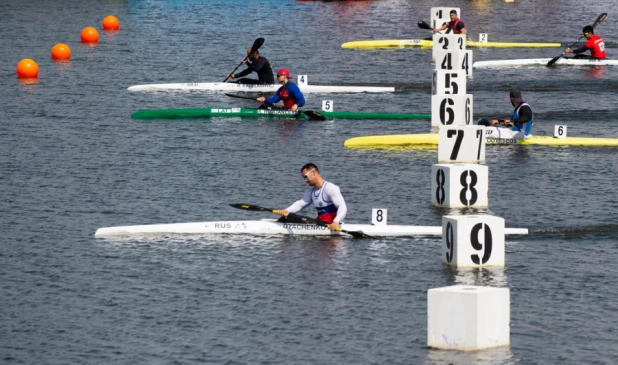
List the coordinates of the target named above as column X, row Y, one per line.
column 305, row 220
column 311, row 114
column 256, row 45
column 596, row 22
column 423, row 25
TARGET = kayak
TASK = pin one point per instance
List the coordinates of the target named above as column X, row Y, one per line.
column 431, row 139
column 264, row 113
column 264, row 88
column 272, row 227
column 400, row 43
column 570, row 61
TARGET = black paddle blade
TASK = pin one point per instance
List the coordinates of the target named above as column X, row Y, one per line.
column 553, row 60
column 240, row 96
column 423, row 25
column 313, row 115
column 256, row 208
column 357, row 234
column 256, row 45
column 484, row 121
column 599, row 20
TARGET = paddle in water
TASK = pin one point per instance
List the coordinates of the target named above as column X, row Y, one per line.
column 594, row 25
column 256, row 45
column 306, row 220
column 311, row 114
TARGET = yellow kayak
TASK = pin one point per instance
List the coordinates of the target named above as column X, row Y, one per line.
column 400, row 43
column 431, row 140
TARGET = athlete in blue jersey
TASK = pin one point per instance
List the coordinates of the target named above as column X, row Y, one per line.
column 289, row 93
column 520, row 124
column 325, row 197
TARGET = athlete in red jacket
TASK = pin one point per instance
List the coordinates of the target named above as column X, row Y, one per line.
column 595, row 45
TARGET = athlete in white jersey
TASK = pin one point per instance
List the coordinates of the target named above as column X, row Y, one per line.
column 325, row 197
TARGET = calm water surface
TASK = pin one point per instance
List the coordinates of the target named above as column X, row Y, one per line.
column 72, row 160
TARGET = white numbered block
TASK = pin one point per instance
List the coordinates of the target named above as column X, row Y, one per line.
column 448, row 42
column 463, row 144
column 483, row 38
column 458, row 60
column 560, row 131
column 473, row 240
column 445, row 82
column 459, row 185
column 451, row 110
column 327, row 105
column 302, row 80
column 440, row 16
column 378, row 216
column 468, row 318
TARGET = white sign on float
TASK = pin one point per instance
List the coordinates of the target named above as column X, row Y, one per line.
column 468, row 318
column 463, row 144
column 473, row 240
column 483, row 38
column 459, row 185
column 449, row 82
column 302, row 80
column 327, row 105
column 449, row 110
column 379, row 216
column 441, row 16
column 560, row 131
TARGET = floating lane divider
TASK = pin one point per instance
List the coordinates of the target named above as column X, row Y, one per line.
column 263, row 113
column 401, row 43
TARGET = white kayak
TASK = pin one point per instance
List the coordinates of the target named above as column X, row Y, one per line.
column 266, row 88
column 272, row 227
column 570, row 61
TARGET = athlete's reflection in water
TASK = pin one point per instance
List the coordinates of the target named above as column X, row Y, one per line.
column 596, row 72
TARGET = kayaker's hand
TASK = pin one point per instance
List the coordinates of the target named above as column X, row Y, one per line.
column 495, row 122
column 282, row 212
column 333, row 226
column 294, row 108
column 261, row 99
column 568, row 50
column 231, row 76
column 508, row 123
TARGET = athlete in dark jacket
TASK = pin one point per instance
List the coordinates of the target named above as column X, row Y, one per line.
column 257, row 64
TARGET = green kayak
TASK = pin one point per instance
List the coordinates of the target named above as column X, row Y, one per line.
column 266, row 113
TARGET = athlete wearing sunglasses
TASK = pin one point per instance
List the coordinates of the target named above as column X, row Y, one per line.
column 325, row 196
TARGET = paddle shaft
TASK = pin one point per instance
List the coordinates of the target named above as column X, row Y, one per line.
column 304, row 219
column 598, row 21
column 256, row 45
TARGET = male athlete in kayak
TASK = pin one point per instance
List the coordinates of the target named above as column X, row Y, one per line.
column 595, row 45
column 258, row 64
column 325, row 196
column 289, row 93
column 456, row 25
column 518, row 127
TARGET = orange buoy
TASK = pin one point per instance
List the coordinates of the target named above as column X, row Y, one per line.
column 27, row 69
column 111, row 23
column 90, row 35
column 60, row 52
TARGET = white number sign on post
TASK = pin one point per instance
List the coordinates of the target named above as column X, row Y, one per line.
column 461, row 144
column 451, row 110
column 448, row 42
column 483, row 38
column 473, row 240
column 378, row 216
column 302, row 80
column 560, row 131
column 327, row 105
column 459, row 185
column 459, row 60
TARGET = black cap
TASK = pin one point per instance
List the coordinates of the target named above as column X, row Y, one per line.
column 588, row 29
column 516, row 96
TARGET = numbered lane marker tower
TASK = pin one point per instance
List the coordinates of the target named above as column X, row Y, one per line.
column 454, row 60
column 468, row 318
column 473, row 240
column 459, row 185
column 461, row 144
column 451, row 110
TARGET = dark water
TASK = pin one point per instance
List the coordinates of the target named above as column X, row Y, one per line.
column 72, row 160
